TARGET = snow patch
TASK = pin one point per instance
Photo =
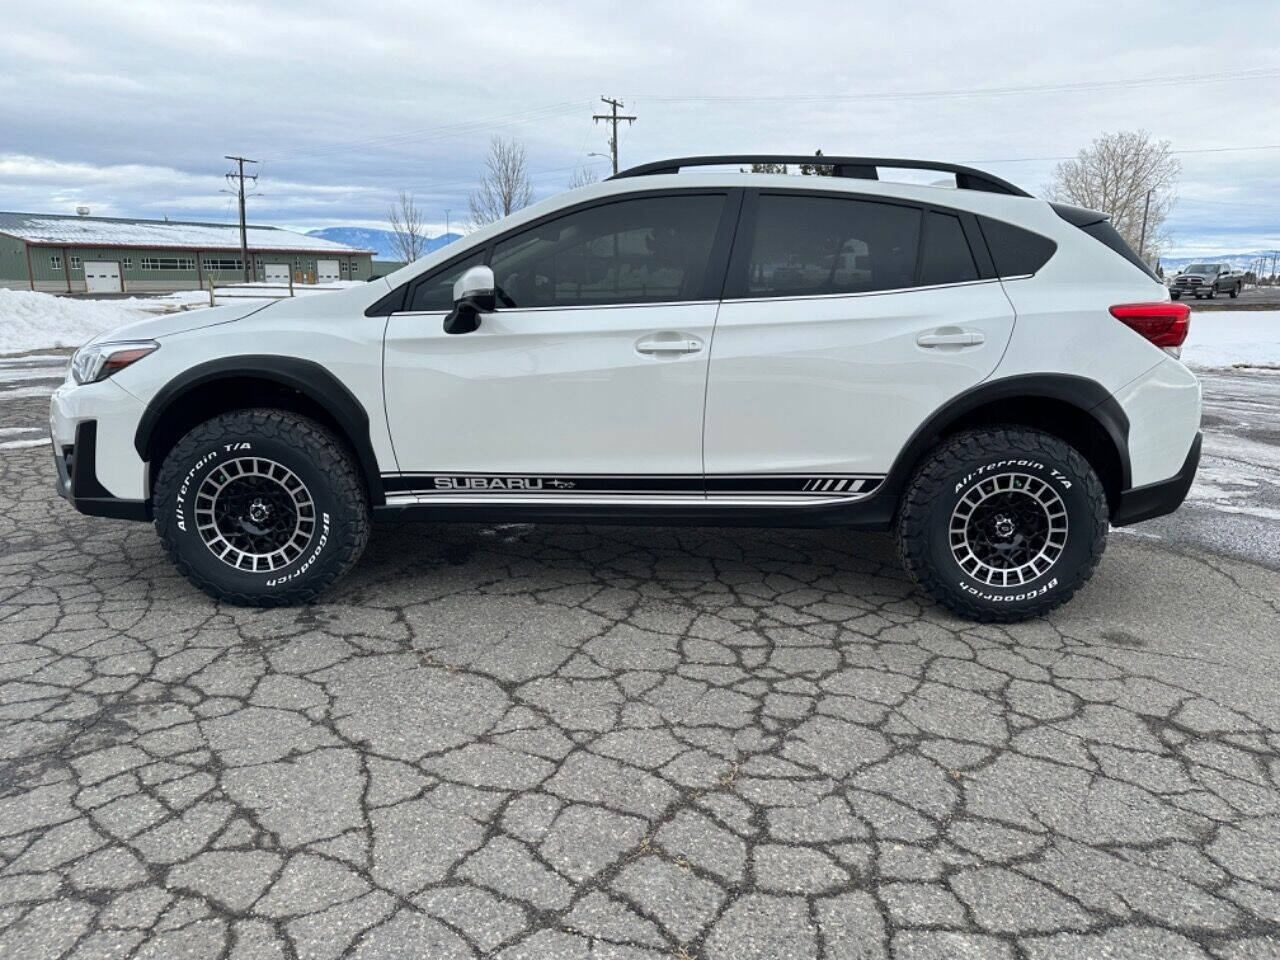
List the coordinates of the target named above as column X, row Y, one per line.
column 1229, row 338
column 35, row 321
column 18, row 444
column 105, row 232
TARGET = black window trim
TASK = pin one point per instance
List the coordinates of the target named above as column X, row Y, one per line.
column 713, row 282
column 735, row 287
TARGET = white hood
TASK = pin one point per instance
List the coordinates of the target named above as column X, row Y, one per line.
column 157, row 328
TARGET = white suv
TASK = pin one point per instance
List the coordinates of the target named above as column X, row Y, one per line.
column 706, row 348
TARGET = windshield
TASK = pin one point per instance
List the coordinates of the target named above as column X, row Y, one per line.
column 1201, row 268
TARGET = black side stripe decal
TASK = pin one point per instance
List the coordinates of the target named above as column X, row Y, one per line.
column 797, row 485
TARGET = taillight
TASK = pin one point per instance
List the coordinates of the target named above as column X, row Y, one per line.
column 1164, row 324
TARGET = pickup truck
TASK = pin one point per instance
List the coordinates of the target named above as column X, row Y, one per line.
column 1207, row 280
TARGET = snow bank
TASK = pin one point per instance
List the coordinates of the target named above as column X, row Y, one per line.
column 1229, row 338
column 37, row 321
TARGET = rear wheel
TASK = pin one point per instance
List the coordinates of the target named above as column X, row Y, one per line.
column 1235, row 291
column 261, row 508
column 1003, row 523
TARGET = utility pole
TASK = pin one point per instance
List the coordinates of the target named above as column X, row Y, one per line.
column 446, row 223
column 238, row 175
column 1142, row 240
column 1271, row 278
column 613, row 119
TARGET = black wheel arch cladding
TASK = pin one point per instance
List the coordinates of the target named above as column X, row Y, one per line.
column 306, row 377
column 1087, row 396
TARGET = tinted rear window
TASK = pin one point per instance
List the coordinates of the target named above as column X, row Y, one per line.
column 803, row 246
column 947, row 257
column 1016, row 252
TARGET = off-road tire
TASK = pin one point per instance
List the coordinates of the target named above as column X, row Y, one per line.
column 925, row 517
column 333, row 498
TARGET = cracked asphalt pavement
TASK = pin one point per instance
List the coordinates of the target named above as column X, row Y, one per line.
column 626, row 743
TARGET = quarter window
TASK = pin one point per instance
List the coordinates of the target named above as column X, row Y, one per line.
column 646, row 250
column 1017, row 252
column 805, row 246
column 947, row 257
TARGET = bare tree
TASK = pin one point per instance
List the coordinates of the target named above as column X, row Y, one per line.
column 1115, row 175
column 583, row 176
column 504, row 185
column 409, row 235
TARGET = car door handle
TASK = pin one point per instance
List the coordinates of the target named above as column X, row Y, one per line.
column 961, row 338
column 681, row 345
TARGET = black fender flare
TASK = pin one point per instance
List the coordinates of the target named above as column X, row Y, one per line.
column 1087, row 396
column 305, row 376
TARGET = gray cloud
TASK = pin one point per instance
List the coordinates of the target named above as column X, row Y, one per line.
column 129, row 107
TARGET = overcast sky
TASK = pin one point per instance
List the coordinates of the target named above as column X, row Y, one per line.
column 129, row 107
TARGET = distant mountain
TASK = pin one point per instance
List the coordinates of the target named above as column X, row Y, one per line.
column 1238, row 261
column 381, row 242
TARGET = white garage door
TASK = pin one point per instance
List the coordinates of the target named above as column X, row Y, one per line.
column 326, row 271
column 277, row 272
column 102, row 276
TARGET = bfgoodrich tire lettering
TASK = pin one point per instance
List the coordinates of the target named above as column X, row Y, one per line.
column 261, row 508
column 1002, row 523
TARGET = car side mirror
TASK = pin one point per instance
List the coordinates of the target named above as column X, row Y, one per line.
column 473, row 294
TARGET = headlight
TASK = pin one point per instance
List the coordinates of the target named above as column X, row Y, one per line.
column 97, row 361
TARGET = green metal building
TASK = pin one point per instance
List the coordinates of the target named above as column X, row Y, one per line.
column 58, row 253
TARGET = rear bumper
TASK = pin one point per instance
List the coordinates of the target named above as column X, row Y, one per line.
column 1157, row 499
column 78, row 482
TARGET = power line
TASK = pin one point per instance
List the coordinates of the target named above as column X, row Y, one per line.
column 1264, row 73
column 613, row 119
column 439, row 132
column 1263, row 146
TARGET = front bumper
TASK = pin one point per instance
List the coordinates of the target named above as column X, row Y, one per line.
column 99, row 471
column 1157, row 499
column 78, row 482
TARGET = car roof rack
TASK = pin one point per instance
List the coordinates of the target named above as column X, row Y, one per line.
column 858, row 168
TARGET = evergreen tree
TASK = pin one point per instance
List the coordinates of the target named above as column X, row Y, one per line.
column 817, row 170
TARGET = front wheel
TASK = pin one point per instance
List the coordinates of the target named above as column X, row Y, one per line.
column 1002, row 523
column 261, row 508
column 1175, row 295
column 1235, row 291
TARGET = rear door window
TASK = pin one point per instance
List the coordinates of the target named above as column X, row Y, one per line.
column 947, row 257
column 808, row 245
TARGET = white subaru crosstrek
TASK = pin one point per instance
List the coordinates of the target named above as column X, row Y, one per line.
column 991, row 376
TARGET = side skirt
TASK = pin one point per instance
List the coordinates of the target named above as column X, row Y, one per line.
column 871, row 513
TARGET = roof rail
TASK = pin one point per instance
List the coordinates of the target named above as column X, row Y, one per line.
column 859, row 168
